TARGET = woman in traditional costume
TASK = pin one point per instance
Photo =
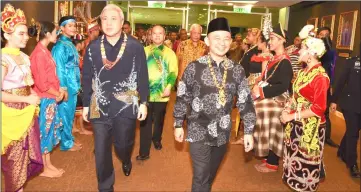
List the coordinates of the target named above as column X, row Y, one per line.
column 270, row 96
column 20, row 137
column 67, row 69
column 304, row 115
column 47, row 87
column 258, row 62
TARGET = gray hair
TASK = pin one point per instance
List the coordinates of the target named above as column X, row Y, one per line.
column 195, row 25
column 113, row 7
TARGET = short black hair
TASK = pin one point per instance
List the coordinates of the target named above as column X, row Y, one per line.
column 322, row 29
column 126, row 23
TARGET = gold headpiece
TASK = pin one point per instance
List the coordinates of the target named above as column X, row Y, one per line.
column 11, row 18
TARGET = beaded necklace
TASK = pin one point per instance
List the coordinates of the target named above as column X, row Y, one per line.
column 221, row 92
column 109, row 64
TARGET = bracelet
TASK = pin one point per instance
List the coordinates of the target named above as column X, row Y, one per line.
column 295, row 116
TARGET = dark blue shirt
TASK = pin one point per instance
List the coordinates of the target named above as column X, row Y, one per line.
column 117, row 91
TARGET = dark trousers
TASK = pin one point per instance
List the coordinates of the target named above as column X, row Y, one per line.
column 156, row 113
column 205, row 162
column 121, row 132
column 348, row 146
column 272, row 158
column 327, row 116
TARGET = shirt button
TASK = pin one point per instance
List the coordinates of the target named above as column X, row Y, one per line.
column 348, row 95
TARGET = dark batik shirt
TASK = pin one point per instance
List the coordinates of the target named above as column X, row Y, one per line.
column 109, row 93
column 197, row 98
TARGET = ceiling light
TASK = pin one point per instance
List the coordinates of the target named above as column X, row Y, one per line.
column 245, row 2
column 210, row 2
column 230, row 4
column 189, row 1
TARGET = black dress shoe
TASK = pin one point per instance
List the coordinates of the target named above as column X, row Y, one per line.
column 354, row 171
column 157, row 145
column 127, row 168
column 142, row 157
column 331, row 143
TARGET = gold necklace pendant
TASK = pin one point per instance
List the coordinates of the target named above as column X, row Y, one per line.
column 222, row 97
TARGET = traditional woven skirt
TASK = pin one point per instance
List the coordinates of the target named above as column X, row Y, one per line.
column 268, row 132
column 301, row 171
column 50, row 125
column 22, row 158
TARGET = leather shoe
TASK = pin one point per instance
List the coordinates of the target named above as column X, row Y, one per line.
column 142, row 157
column 127, row 168
column 331, row 143
column 157, row 145
column 354, row 171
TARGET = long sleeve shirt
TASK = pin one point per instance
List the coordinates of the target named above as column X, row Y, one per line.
column 278, row 75
column 67, row 64
column 44, row 71
column 197, row 99
column 116, row 91
column 162, row 71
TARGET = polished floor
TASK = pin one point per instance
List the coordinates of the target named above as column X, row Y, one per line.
column 170, row 169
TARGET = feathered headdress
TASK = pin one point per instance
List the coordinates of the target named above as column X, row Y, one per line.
column 10, row 18
column 267, row 26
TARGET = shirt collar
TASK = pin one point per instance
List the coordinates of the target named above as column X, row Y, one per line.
column 222, row 63
column 116, row 44
column 64, row 38
column 160, row 47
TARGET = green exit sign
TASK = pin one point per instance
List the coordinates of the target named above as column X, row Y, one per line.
column 156, row 4
column 242, row 9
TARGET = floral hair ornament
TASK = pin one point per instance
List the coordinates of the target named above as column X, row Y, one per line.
column 10, row 18
column 315, row 46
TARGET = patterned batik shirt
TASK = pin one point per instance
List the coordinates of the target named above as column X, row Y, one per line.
column 197, row 98
column 162, row 71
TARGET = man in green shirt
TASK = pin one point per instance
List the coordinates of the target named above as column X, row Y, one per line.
column 162, row 69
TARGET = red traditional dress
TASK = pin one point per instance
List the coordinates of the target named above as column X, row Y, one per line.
column 304, row 139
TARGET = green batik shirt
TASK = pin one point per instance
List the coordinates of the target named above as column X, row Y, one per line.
column 162, row 70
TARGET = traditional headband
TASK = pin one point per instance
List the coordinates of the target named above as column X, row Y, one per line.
column 11, row 18
column 66, row 22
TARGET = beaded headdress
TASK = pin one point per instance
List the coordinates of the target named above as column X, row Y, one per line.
column 10, row 18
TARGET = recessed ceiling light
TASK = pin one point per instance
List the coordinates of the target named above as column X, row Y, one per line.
column 189, row 1
column 246, row 2
column 210, row 2
column 230, row 4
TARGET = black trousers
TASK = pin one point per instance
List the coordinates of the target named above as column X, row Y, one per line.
column 348, row 146
column 156, row 113
column 121, row 132
column 327, row 116
column 205, row 162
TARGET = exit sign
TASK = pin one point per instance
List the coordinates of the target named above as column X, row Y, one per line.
column 242, row 9
column 156, row 4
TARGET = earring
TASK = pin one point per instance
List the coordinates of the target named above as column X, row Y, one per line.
column 309, row 60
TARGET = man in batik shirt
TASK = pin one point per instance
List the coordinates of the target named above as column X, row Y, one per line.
column 205, row 96
column 162, row 69
column 191, row 49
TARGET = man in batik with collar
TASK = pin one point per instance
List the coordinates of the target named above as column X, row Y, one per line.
column 115, row 81
column 205, row 97
column 162, row 69
column 191, row 49
column 252, row 38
